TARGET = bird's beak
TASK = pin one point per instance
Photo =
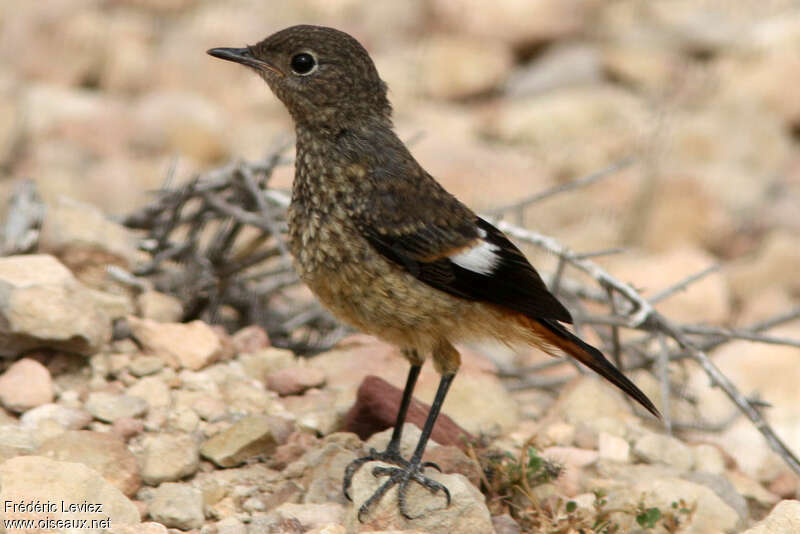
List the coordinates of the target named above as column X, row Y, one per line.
column 245, row 57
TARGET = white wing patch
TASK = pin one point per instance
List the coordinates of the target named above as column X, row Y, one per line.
column 481, row 258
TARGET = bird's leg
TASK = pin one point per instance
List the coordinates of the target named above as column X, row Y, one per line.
column 392, row 453
column 413, row 469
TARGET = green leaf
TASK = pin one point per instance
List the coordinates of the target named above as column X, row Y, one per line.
column 648, row 517
column 571, row 506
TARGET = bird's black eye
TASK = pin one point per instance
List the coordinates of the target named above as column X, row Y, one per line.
column 303, row 63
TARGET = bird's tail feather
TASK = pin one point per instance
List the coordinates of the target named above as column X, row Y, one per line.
column 554, row 334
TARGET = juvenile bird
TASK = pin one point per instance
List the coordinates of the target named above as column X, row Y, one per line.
column 385, row 247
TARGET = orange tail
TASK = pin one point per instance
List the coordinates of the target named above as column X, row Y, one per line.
column 554, row 334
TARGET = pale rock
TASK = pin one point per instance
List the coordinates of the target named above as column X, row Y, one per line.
column 785, row 517
column 711, row 513
column 517, row 22
column 209, row 408
column 591, row 404
column 73, row 229
column 191, row 346
column 159, row 307
column 109, row 407
column 478, row 401
column 467, row 511
column 771, row 267
column 31, row 478
column 251, row 436
column 660, row 448
column 177, row 505
column 295, row 380
column 142, row 528
column 182, row 122
column 408, row 440
column 43, row 305
column 145, row 365
column 16, row 441
column 613, row 448
column 560, row 433
column 505, row 524
column 103, row 452
column 153, row 390
column 311, row 515
column 708, row 458
column 230, row 525
column 707, row 300
column 751, row 489
column 26, row 384
column 64, row 416
column 331, row 528
column 559, row 66
column 127, row 427
column 454, row 67
column 250, row 339
column 602, row 123
column 724, row 489
column 314, row 411
column 321, row 468
column 572, row 461
column 244, row 396
column 183, row 420
column 168, row 457
column 260, row 363
column 648, row 68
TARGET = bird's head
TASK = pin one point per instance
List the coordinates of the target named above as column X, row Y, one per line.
column 322, row 75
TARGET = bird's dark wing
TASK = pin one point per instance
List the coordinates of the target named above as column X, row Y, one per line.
column 466, row 257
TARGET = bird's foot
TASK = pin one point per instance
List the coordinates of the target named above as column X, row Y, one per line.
column 389, row 456
column 402, row 476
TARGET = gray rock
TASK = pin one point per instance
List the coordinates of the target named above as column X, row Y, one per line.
column 153, row 390
column 32, row 478
column 785, row 517
column 467, row 511
column 25, row 385
column 251, row 436
column 109, row 407
column 43, row 305
column 66, row 417
column 664, row 449
column 71, row 226
column 177, row 505
column 145, row 365
column 103, row 452
column 168, row 457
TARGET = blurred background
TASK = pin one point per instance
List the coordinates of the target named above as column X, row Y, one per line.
column 502, row 99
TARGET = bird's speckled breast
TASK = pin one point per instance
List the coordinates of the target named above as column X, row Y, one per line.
column 342, row 269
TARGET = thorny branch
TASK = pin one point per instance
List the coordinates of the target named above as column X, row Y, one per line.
column 218, row 243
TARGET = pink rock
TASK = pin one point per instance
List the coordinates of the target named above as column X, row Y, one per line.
column 295, row 380
column 25, row 385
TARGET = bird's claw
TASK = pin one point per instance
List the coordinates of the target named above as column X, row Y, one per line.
column 401, row 477
column 389, row 456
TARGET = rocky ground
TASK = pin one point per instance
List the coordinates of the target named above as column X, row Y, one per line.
column 185, row 426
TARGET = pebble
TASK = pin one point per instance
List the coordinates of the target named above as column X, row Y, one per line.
column 168, row 457
column 109, row 407
column 177, row 506
column 25, row 385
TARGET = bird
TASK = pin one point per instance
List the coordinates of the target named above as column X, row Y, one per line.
column 387, row 249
